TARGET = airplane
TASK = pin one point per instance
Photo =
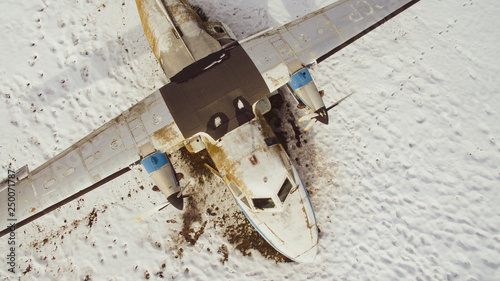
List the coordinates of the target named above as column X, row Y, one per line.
column 217, row 93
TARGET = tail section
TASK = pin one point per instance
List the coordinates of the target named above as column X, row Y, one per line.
column 177, row 34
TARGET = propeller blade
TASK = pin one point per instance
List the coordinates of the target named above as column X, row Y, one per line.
column 339, row 101
column 182, row 190
column 308, row 116
column 311, row 123
column 152, row 211
column 314, row 117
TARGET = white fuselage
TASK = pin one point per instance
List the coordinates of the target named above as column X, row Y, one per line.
column 267, row 188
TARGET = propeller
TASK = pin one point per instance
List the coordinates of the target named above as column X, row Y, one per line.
column 175, row 199
column 310, row 124
column 308, row 116
column 153, row 211
column 320, row 114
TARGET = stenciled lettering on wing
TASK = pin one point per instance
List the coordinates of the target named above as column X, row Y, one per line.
column 362, row 9
column 379, row 4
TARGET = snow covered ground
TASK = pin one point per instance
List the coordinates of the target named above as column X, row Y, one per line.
column 404, row 180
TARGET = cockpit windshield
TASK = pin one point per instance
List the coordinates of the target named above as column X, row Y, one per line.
column 284, row 190
column 263, row 203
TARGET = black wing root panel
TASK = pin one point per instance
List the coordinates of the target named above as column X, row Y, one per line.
column 215, row 94
column 195, row 69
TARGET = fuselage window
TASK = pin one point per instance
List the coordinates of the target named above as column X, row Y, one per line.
column 263, row 203
column 271, row 141
column 284, row 190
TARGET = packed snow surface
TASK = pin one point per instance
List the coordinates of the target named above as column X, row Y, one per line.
column 404, row 180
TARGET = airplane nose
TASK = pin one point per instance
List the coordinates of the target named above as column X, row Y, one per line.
column 308, row 256
column 322, row 115
column 177, row 202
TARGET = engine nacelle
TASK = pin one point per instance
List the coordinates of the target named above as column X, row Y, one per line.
column 308, row 96
column 162, row 172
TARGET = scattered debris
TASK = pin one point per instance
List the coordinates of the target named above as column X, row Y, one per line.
column 224, row 252
column 92, row 218
column 28, row 269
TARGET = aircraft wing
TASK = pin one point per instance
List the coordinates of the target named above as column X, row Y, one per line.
column 96, row 159
column 312, row 38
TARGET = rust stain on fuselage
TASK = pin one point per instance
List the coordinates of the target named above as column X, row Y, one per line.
column 226, row 167
column 230, row 168
column 167, row 136
column 144, row 13
column 182, row 13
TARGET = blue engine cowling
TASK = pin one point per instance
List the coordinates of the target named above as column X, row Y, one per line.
column 306, row 92
column 161, row 171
